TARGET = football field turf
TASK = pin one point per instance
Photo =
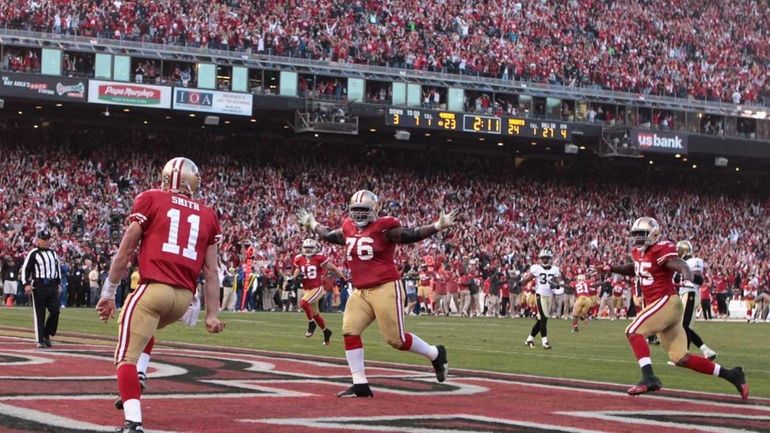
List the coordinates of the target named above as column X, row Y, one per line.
column 599, row 352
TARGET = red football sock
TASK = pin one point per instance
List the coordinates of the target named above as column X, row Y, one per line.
column 697, row 363
column 319, row 321
column 149, row 346
column 306, row 307
column 407, row 344
column 574, row 322
column 353, row 342
column 639, row 345
column 128, row 382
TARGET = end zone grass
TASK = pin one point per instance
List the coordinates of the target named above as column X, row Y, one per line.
column 598, row 352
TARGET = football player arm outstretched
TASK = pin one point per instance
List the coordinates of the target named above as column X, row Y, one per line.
column 211, row 276
column 408, row 235
column 626, row 269
column 105, row 308
column 307, row 220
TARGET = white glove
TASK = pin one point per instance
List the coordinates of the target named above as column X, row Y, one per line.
column 445, row 220
column 190, row 317
column 306, row 219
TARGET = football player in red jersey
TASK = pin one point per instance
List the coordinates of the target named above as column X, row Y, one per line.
column 370, row 245
column 654, row 263
column 178, row 238
column 311, row 264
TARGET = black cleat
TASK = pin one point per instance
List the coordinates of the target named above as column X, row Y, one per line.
column 357, row 390
column 327, row 336
column 547, row 346
column 47, row 343
column 41, row 345
column 738, row 379
column 130, row 427
column 440, row 364
column 648, row 384
column 310, row 329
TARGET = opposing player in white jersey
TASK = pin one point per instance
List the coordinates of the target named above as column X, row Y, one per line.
column 689, row 292
column 547, row 277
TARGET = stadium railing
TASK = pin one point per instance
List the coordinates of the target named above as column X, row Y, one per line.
column 10, row 36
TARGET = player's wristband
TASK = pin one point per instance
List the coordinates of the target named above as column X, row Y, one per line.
column 314, row 224
column 108, row 289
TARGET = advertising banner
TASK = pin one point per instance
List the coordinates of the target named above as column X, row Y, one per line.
column 131, row 94
column 658, row 141
column 211, row 101
column 46, row 87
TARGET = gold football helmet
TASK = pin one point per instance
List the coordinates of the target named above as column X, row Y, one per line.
column 645, row 232
column 684, row 249
column 309, row 247
column 364, row 207
column 581, row 278
column 181, row 175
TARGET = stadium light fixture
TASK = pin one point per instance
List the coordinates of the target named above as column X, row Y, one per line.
column 20, row 112
column 482, row 138
column 315, row 135
column 372, row 130
column 427, row 134
column 534, row 143
column 684, row 159
column 126, row 110
column 35, row 126
column 677, row 156
column 651, row 163
column 106, row 112
column 499, row 143
column 695, row 166
column 191, row 114
column 59, row 104
column 582, row 148
column 737, row 169
column 38, row 107
column 168, row 117
column 448, row 140
column 227, row 122
column 253, row 120
column 146, row 122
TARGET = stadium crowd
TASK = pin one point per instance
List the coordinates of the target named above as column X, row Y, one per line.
column 80, row 184
column 684, row 48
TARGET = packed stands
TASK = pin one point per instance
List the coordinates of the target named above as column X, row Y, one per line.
column 686, row 48
column 81, row 184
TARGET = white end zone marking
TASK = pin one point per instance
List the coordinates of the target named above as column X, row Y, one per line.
column 627, row 417
column 461, row 388
column 158, row 369
column 56, row 420
column 361, row 423
column 29, row 360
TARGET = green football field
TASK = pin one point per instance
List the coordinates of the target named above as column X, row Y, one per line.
column 599, row 352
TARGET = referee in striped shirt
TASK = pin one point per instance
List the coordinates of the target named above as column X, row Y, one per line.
column 41, row 275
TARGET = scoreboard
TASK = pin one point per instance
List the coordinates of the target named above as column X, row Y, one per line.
column 478, row 124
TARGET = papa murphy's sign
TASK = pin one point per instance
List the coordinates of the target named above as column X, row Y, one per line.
column 658, row 141
column 211, row 101
column 43, row 87
column 137, row 95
